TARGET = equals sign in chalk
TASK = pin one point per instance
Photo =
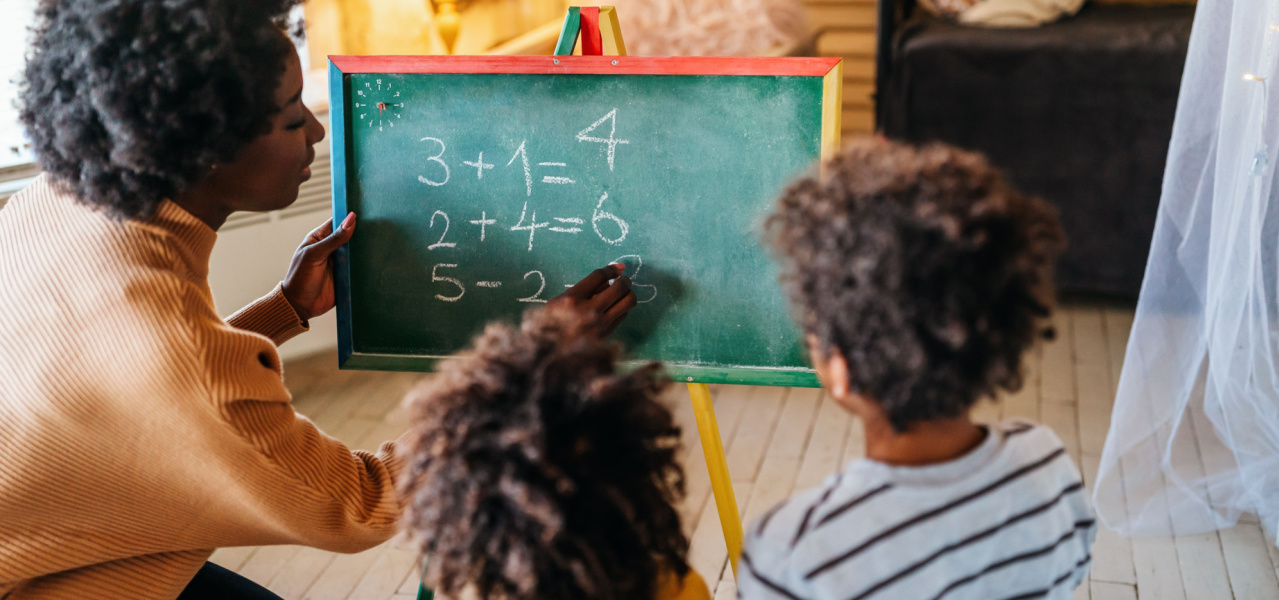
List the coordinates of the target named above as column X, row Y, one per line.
column 488, row 284
column 568, row 229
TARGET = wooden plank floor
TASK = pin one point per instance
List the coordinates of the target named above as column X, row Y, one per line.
column 780, row 440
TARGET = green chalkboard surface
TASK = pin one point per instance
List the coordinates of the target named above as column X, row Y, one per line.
column 483, row 194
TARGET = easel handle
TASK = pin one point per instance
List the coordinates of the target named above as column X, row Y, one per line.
column 598, row 29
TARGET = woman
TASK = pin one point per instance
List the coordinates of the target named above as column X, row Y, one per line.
column 138, row 430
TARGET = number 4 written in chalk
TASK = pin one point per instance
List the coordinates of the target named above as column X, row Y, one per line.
column 611, row 140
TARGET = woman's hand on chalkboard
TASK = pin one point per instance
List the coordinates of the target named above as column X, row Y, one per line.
column 605, row 293
column 309, row 284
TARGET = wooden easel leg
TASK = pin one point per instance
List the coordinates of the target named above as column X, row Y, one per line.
column 717, row 464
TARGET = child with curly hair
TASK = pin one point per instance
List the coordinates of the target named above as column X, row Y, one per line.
column 536, row 471
column 921, row 277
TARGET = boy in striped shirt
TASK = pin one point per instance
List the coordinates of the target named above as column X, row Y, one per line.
column 920, row 277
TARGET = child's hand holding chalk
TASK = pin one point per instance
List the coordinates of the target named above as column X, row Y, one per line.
column 605, row 293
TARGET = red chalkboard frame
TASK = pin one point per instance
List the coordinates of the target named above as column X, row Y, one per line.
column 588, row 65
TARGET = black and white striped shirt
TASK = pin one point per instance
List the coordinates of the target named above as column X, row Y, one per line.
column 1008, row 520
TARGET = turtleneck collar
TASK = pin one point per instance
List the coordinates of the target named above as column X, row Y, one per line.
column 195, row 238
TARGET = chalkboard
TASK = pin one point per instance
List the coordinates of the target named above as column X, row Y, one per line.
column 486, row 186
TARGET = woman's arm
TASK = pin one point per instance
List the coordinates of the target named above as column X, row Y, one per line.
column 280, row 480
column 305, row 293
column 272, row 316
column 321, row 493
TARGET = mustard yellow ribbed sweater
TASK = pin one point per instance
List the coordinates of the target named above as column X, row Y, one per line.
column 138, row 430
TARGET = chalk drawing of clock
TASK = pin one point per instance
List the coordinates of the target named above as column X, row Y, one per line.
column 378, row 105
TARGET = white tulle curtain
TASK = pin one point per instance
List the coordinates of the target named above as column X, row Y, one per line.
column 1194, row 439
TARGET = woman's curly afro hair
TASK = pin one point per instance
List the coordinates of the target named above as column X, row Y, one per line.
column 129, row 102
column 537, row 471
column 923, row 268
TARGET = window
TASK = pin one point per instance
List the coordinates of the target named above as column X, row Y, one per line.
column 15, row 20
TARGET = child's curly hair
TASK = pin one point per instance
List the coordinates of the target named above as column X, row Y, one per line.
column 536, row 471
column 923, row 268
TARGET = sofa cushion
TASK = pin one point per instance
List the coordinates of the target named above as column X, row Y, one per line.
column 1079, row 112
